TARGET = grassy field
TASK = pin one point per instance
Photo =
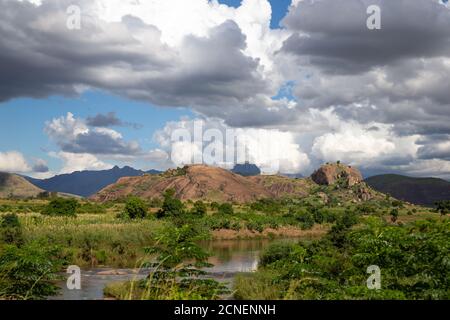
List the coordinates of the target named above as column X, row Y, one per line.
column 98, row 235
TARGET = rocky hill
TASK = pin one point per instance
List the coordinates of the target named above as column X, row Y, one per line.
column 192, row 182
column 423, row 191
column 199, row 182
column 340, row 174
column 12, row 185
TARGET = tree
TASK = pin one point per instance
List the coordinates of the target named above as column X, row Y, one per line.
column 443, row 207
column 199, row 209
column 11, row 230
column 226, row 208
column 171, row 207
column 394, row 215
column 29, row 271
column 135, row 208
column 61, row 207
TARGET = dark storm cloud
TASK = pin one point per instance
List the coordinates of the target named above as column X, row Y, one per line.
column 40, row 56
column 334, row 36
column 398, row 75
column 109, row 119
column 434, row 147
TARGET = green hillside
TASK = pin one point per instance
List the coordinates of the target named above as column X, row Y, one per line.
column 424, row 191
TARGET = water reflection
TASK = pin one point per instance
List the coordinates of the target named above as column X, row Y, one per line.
column 232, row 256
column 228, row 256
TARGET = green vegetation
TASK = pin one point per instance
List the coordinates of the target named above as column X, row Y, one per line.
column 177, row 262
column 199, row 209
column 443, row 207
column 11, row 230
column 29, row 271
column 225, row 208
column 61, row 207
column 48, row 234
column 135, row 208
column 171, row 207
column 413, row 259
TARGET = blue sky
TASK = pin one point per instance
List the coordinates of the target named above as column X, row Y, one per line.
column 23, row 120
column 279, row 9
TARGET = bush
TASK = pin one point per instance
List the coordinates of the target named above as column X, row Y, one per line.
column 29, row 272
column 340, row 228
column 443, row 207
column 11, row 230
column 255, row 226
column 135, row 208
column 155, row 203
column 171, row 207
column 90, row 207
column 199, row 209
column 61, row 207
column 275, row 252
column 225, row 208
column 306, row 219
column 394, row 214
column 413, row 260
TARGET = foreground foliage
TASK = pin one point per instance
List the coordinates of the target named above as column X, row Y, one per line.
column 29, row 271
column 414, row 261
column 176, row 270
column 61, row 207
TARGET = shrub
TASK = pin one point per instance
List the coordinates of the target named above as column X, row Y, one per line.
column 135, row 208
column 199, row 209
column 28, row 272
column 443, row 207
column 225, row 208
column 171, row 207
column 255, row 226
column 413, row 260
column 61, row 207
column 11, row 230
column 155, row 203
column 90, row 207
column 341, row 227
column 394, row 214
column 275, row 252
column 397, row 203
column 306, row 219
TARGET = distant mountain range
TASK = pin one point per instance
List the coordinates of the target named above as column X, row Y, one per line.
column 424, row 191
column 87, row 183
column 246, row 169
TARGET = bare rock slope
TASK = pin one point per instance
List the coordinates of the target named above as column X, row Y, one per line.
column 343, row 175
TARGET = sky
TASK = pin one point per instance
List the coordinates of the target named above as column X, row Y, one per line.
column 303, row 82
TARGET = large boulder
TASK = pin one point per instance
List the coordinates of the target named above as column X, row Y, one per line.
column 342, row 175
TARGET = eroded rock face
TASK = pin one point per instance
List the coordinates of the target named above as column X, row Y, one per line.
column 340, row 174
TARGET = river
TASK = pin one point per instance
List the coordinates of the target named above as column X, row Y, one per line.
column 228, row 257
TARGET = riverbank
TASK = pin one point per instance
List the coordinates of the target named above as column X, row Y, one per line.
column 317, row 231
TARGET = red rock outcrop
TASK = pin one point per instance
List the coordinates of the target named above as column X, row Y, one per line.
column 340, row 174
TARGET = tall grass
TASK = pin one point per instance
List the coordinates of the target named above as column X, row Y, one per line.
column 93, row 239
